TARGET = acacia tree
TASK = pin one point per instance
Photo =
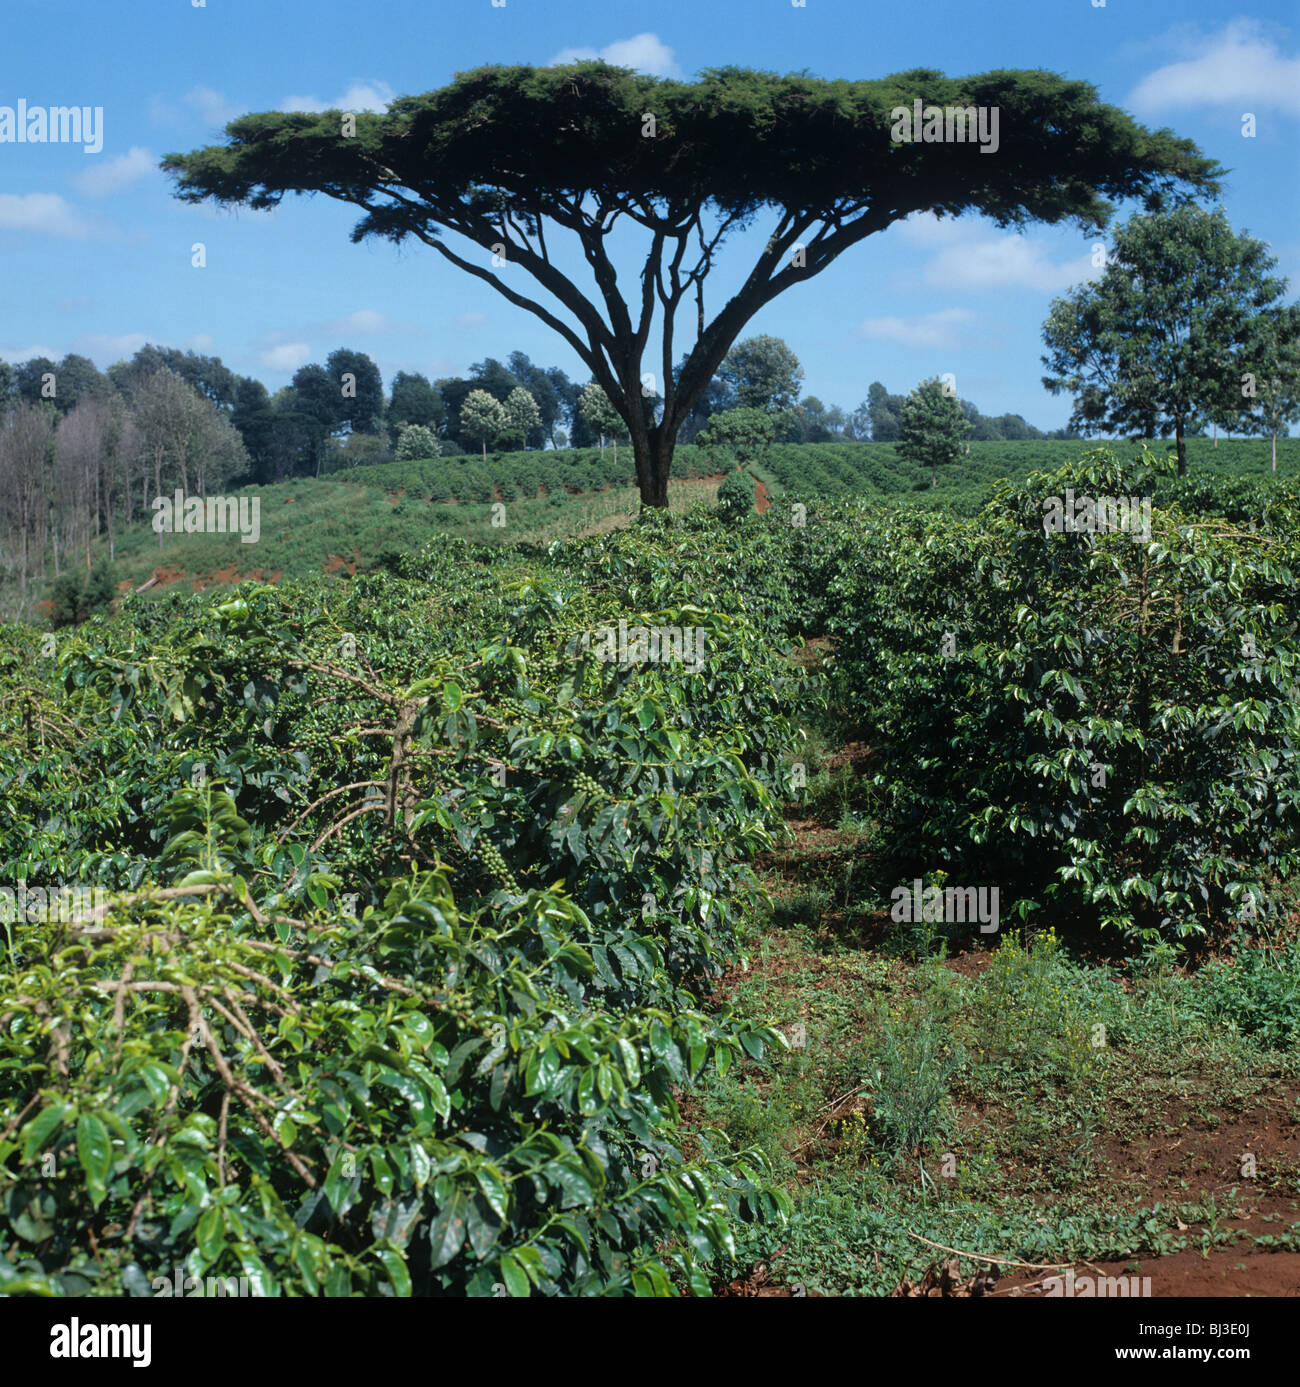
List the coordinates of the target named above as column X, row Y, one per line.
column 932, row 427
column 518, row 159
column 1185, row 308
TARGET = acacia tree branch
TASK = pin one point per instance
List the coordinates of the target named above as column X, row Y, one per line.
column 479, row 230
column 763, row 285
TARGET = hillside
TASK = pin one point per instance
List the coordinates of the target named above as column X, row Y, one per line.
column 352, row 520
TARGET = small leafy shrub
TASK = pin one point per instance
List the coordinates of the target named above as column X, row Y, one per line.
column 736, row 497
column 1027, row 1011
column 416, row 441
column 909, row 1083
column 1258, row 993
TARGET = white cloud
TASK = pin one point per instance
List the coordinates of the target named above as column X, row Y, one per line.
column 1009, row 262
column 941, row 329
column 201, row 342
column 644, row 53
column 969, row 256
column 467, row 322
column 288, row 356
column 211, row 105
column 112, row 175
column 359, row 96
column 1238, row 66
column 109, row 347
column 17, row 355
column 366, row 322
column 927, row 229
column 44, row 213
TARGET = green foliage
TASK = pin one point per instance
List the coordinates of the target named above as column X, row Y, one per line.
column 1107, row 726
column 736, row 496
column 408, row 936
column 356, row 450
column 932, row 427
column 736, row 437
column 1030, row 1014
column 762, row 373
column 415, row 441
column 77, row 595
column 414, row 401
column 416, row 904
column 1258, row 993
column 909, row 1083
column 599, row 414
column 1184, row 319
column 522, row 412
column 482, row 418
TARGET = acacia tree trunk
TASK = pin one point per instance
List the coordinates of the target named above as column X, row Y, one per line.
column 1180, row 439
column 652, row 455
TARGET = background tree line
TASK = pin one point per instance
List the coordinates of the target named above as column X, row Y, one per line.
column 84, row 452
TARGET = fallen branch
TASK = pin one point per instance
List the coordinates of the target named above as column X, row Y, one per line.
column 996, row 1261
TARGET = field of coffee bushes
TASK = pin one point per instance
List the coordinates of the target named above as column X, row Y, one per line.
column 808, row 469
column 422, row 965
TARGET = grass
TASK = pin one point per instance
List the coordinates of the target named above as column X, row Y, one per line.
column 999, row 1104
column 319, row 524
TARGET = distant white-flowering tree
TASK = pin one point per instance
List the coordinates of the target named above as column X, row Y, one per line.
column 415, row 441
column 601, row 417
column 483, row 417
column 522, row 412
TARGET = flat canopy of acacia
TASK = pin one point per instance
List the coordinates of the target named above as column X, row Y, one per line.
column 505, row 155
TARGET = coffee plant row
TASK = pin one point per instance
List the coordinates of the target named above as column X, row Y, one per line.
column 413, row 899
column 1106, row 726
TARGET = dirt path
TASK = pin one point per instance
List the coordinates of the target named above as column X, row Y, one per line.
column 1227, row 1157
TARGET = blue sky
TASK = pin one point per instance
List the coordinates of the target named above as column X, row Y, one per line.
column 96, row 252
